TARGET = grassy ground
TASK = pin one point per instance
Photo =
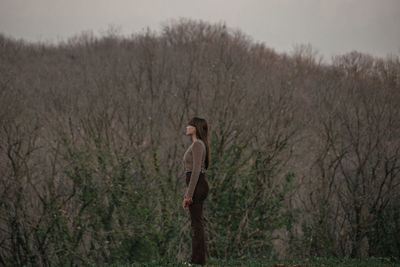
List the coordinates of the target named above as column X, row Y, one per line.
column 283, row 263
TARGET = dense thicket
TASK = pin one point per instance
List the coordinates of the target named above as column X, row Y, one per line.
column 305, row 156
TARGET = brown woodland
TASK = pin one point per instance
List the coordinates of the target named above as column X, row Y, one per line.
column 305, row 155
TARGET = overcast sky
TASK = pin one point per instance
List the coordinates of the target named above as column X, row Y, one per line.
column 332, row 27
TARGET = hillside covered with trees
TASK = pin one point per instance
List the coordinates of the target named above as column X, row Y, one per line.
column 305, row 155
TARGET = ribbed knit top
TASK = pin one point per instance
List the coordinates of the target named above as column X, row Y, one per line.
column 194, row 161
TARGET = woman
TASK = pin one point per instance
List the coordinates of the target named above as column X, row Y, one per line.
column 196, row 160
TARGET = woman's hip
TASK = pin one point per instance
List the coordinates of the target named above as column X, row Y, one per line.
column 202, row 187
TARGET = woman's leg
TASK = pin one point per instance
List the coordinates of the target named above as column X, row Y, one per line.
column 198, row 241
column 196, row 216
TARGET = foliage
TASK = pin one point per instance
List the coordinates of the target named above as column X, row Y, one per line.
column 305, row 157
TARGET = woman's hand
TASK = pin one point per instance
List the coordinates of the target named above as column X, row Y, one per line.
column 186, row 202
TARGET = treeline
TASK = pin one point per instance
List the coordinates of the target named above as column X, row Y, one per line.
column 305, row 156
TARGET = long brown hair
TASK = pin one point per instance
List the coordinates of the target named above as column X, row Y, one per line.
column 201, row 126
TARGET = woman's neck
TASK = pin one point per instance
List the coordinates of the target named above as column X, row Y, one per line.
column 194, row 138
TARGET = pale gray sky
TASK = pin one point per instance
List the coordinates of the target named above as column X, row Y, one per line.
column 331, row 26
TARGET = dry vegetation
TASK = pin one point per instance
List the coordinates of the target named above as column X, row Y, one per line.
column 305, row 156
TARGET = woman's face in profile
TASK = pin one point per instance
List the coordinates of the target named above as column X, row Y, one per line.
column 190, row 130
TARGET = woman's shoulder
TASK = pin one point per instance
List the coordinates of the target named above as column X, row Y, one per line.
column 199, row 141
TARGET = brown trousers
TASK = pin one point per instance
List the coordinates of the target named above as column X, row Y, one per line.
column 196, row 216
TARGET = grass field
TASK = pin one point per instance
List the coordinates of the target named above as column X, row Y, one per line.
column 282, row 263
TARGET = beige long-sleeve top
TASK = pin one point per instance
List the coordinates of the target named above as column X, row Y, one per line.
column 194, row 161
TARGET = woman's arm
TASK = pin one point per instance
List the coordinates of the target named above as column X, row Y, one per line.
column 197, row 151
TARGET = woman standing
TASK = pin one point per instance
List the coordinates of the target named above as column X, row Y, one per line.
column 196, row 161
